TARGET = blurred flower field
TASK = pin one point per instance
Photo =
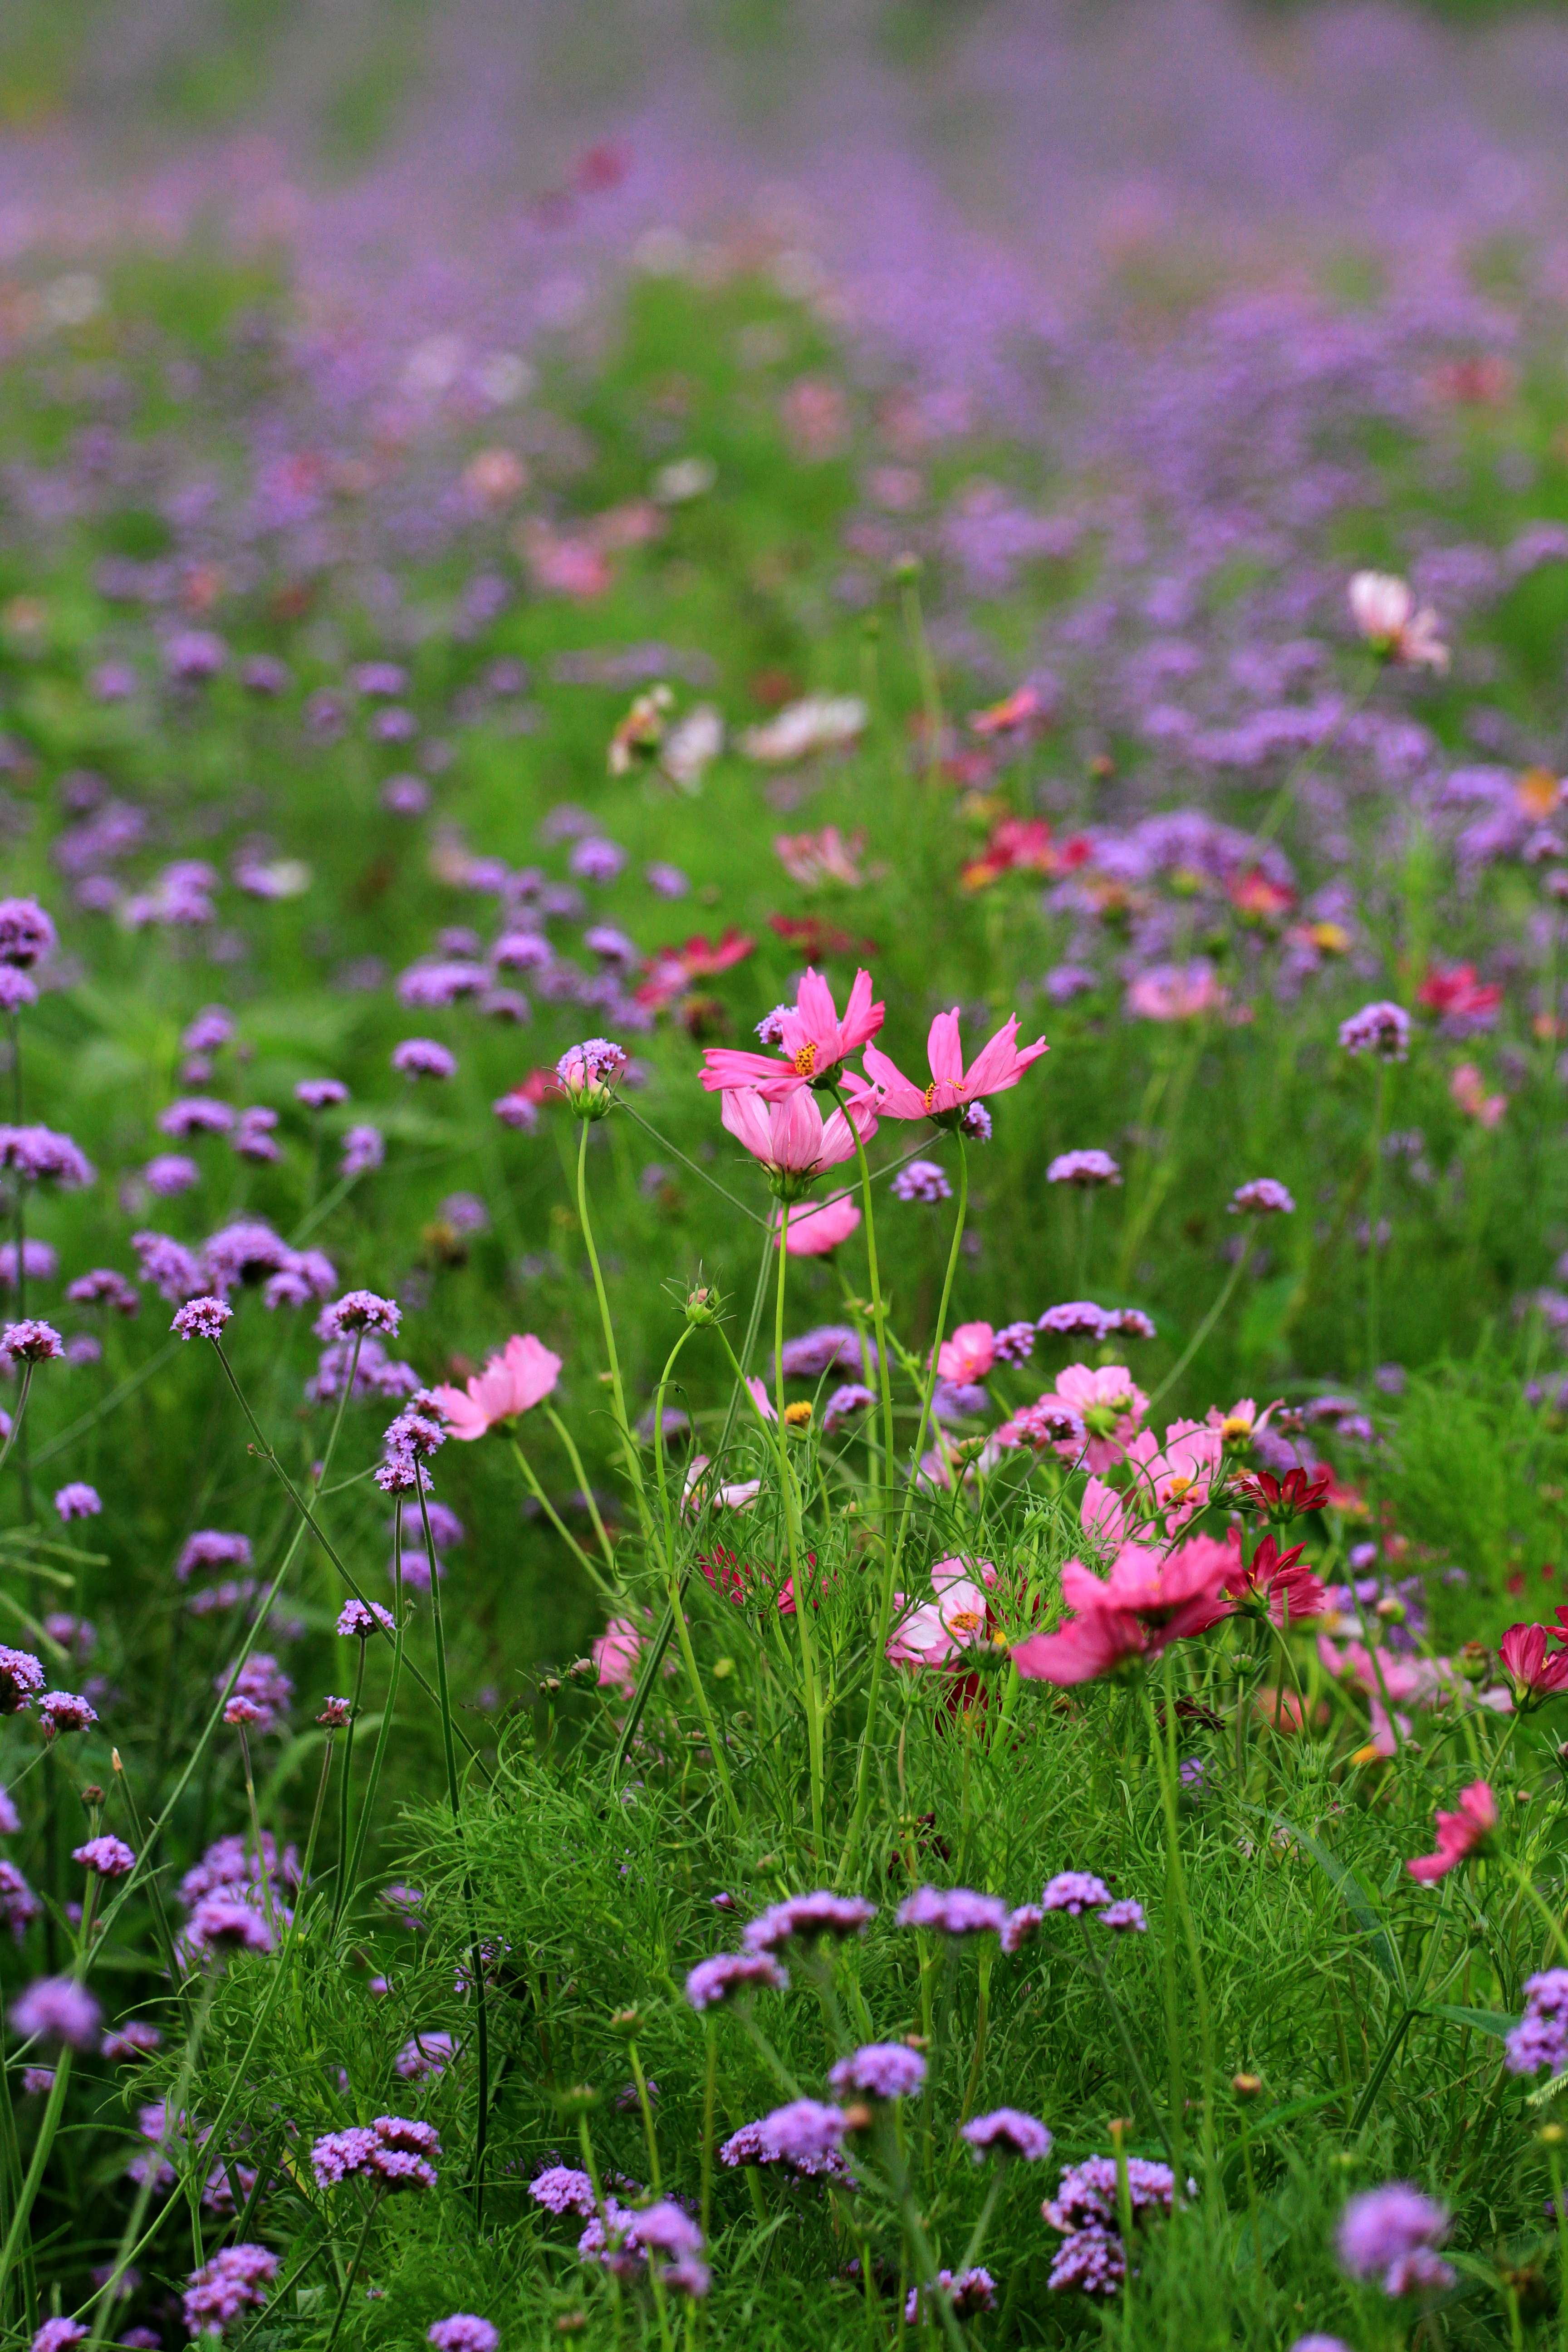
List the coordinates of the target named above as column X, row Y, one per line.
column 786, row 1266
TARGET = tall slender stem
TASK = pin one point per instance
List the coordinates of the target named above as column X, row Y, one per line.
column 618, row 1392
column 804, row 1601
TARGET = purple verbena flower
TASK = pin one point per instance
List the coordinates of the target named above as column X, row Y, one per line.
column 1010, row 2131
column 560, row 2189
column 1391, row 2235
column 234, row 2280
column 881, row 2070
column 26, row 933
column 202, row 1318
column 65, row 1711
column 821, row 1914
column 1124, row 1918
column 1093, row 2260
column 1075, row 1892
column 423, row 1057
column 1382, row 1029
column 462, row 2333
column 56, row 2009
column 1540, row 2037
column 31, row 1342
column 971, row 2292
column 921, row 1181
column 107, row 1857
column 956, row 1911
column 1085, row 1169
column 712, row 1981
column 1261, row 1197
column 78, row 1501
column 1021, row 1926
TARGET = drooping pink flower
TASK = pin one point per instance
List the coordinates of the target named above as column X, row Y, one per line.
column 790, row 1136
column 1385, row 614
column 1082, row 1650
column 814, row 1232
column 812, row 1040
column 1000, row 1064
column 1458, row 1833
column 969, row 1354
column 513, row 1382
column 615, row 1654
column 1534, row 1671
column 942, row 1628
column 1150, row 1598
column 1176, row 991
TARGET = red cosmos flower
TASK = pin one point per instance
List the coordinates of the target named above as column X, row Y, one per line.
column 1274, row 1582
column 1149, row 1600
column 813, row 1043
column 1534, row 1671
column 1290, row 1498
column 817, row 939
column 671, row 971
column 1454, row 994
column 998, row 1066
column 1459, row 1834
column 1017, row 846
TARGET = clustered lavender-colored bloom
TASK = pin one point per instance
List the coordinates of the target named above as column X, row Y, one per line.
column 957, row 1911
column 1382, row 1029
column 108, row 1857
column 971, row 2292
column 1093, row 2260
column 1085, row 1169
column 712, row 1981
column 103, row 1288
column 212, row 1548
column 820, row 1913
column 463, row 2331
column 18, row 1904
column 78, row 1501
column 65, row 1711
column 21, row 1679
column 56, row 2009
column 263, row 1682
column 1011, row 2133
column 321, row 1094
column 133, row 2040
column 1124, row 1918
column 1540, row 2037
column 1014, row 1343
column 921, row 1181
column 1087, row 2192
column 202, row 1318
column 423, row 1057
column 26, row 933
column 424, row 2054
column 234, row 2280
column 881, row 2070
column 31, row 1341
column 58, row 2335
column 1262, row 1197
column 831, row 1347
column 1020, row 1926
column 358, row 1310
column 806, row 2135
column 588, row 1074
column 1391, row 2235
column 560, row 2189
column 394, row 2151
column 363, row 1148
column 843, row 1403
column 39, row 1156
column 226, row 1923
column 1075, row 1892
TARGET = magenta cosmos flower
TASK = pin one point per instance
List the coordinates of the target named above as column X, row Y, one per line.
column 791, row 1137
column 813, row 1042
column 1458, row 1833
column 999, row 1065
column 521, row 1377
column 1104, row 1401
column 1149, row 1600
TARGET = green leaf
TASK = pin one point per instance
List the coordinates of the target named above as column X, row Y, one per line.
column 1495, row 2022
column 1357, row 1902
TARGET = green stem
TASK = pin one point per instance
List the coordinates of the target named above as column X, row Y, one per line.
column 341, row 1892
column 804, row 1601
column 565, row 1434
column 1227, row 1291
column 588, row 1566
column 618, row 1392
column 352, row 2272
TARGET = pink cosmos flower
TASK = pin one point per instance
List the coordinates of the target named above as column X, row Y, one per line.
column 969, row 1354
column 1385, row 611
column 1241, row 1424
column 1390, row 1683
column 1174, row 1484
column 1149, row 1600
column 1467, row 1090
column 941, row 1629
column 1107, row 1404
column 791, row 1137
column 1459, row 1834
column 521, row 1377
column 1176, row 991
column 615, row 1654
column 1000, row 1064
column 813, row 1043
column 814, row 1232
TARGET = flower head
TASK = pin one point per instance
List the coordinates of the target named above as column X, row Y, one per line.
column 588, row 1074
column 812, row 1233
column 812, row 1043
column 802, row 1915
column 21, row 1679
column 31, row 1342
column 969, row 1355
column 26, row 933
column 881, row 2070
column 358, row 1310
column 1380, row 1028
column 1458, row 1833
column 1075, row 1892
column 712, row 1982
column 512, row 1382
column 1261, row 1197
column 923, row 1181
column 999, row 1065
column 202, row 1318
column 64, row 1711
column 560, row 2189
column 791, row 1137
column 1385, row 614
column 56, row 2009
column 1010, row 2132
column 1535, row 1671
column 1086, row 1170
column 78, row 1501
column 423, row 1057
column 234, row 2280
column 106, row 1857
column 463, row 2333
column 973, row 2291
column 1540, row 2037
column 1390, row 2235
column 954, row 1912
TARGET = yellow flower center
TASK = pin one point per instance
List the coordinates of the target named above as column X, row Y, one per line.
column 806, row 1060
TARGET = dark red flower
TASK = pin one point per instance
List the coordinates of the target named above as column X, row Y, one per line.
column 1275, row 1582
column 1290, row 1498
column 1534, row 1671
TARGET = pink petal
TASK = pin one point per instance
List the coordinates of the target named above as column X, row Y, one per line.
column 745, row 1114
column 945, row 1049
column 900, row 1098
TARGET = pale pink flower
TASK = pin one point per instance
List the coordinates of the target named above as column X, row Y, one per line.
column 521, row 1377
column 1241, row 1424
column 737, row 1497
column 942, row 1628
column 1000, row 1064
column 790, row 1136
column 814, row 1232
column 615, row 1654
column 1458, row 1833
column 812, row 1040
column 1468, row 1089
column 1176, row 991
column 1385, row 611
column 969, row 1354
column 1108, row 1402
column 1175, row 1485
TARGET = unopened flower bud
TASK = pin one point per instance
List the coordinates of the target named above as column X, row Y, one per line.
column 1474, row 1661
column 93, row 1794
column 858, row 2117
column 701, row 1303
column 578, row 2099
column 1247, row 2087
column 628, row 2022
column 798, row 1416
